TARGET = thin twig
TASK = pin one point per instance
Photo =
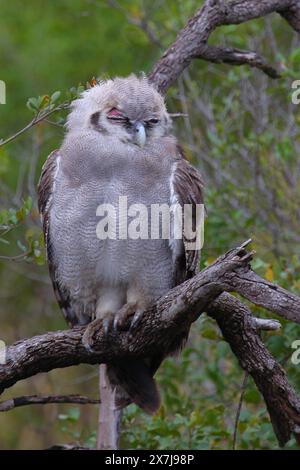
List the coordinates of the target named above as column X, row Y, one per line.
column 176, row 115
column 36, row 120
column 142, row 23
column 45, row 400
column 15, row 258
column 239, row 409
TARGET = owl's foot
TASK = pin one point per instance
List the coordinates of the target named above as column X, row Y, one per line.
column 125, row 319
column 123, row 316
column 88, row 337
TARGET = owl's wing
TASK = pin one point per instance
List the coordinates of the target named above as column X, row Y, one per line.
column 46, row 188
column 187, row 188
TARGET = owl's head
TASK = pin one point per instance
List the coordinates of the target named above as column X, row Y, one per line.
column 130, row 109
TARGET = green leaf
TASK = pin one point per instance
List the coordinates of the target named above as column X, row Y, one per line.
column 33, row 104
column 55, row 96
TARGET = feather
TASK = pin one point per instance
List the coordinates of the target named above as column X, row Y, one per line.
column 186, row 188
column 46, row 188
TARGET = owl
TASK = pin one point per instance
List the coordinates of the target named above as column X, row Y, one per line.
column 118, row 144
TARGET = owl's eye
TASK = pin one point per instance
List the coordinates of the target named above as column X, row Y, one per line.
column 115, row 115
column 153, row 121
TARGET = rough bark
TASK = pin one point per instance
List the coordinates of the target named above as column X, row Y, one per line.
column 109, row 415
column 192, row 41
column 236, row 323
column 206, row 292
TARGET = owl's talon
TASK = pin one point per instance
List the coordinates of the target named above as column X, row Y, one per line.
column 123, row 316
column 115, row 323
column 107, row 323
column 136, row 318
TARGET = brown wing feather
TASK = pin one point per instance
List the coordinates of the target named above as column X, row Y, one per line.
column 187, row 185
column 45, row 192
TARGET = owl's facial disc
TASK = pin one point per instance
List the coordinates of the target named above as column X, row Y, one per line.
column 137, row 128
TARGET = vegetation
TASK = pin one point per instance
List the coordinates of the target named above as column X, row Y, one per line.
column 242, row 131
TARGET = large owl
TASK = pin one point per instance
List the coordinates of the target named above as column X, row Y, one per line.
column 118, row 143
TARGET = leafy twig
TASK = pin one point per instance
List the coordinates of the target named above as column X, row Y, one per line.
column 36, row 120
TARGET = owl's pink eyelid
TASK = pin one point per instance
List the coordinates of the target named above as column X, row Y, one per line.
column 115, row 113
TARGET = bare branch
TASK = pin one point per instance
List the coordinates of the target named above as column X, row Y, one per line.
column 19, row 257
column 266, row 324
column 270, row 296
column 239, row 409
column 236, row 323
column 292, row 15
column 233, row 56
column 192, row 40
column 161, row 324
column 45, row 400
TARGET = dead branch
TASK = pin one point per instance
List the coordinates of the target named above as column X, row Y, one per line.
column 192, row 41
column 160, row 325
column 45, row 400
column 239, row 409
column 283, row 404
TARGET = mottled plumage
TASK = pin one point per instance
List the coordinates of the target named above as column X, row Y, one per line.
column 118, row 143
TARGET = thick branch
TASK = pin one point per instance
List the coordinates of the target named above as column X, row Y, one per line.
column 292, row 15
column 267, row 295
column 162, row 323
column 236, row 323
column 157, row 330
column 191, row 41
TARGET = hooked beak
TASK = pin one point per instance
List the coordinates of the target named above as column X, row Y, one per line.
column 139, row 133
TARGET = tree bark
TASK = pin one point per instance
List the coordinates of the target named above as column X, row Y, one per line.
column 206, row 292
column 192, row 41
column 109, row 415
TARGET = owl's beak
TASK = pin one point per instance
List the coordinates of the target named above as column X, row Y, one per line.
column 139, row 133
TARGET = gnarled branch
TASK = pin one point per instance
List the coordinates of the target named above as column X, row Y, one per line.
column 208, row 291
column 192, row 40
column 236, row 323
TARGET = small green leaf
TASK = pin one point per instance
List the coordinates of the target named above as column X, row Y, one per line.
column 55, row 96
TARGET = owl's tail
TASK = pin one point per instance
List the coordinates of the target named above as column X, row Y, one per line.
column 134, row 382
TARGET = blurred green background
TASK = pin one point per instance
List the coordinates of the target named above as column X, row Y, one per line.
column 242, row 131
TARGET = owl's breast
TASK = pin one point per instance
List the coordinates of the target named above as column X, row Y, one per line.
column 101, row 227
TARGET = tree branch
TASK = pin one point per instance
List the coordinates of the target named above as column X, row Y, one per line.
column 233, row 56
column 41, row 116
column 163, row 321
column 283, row 404
column 45, row 400
column 192, row 40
